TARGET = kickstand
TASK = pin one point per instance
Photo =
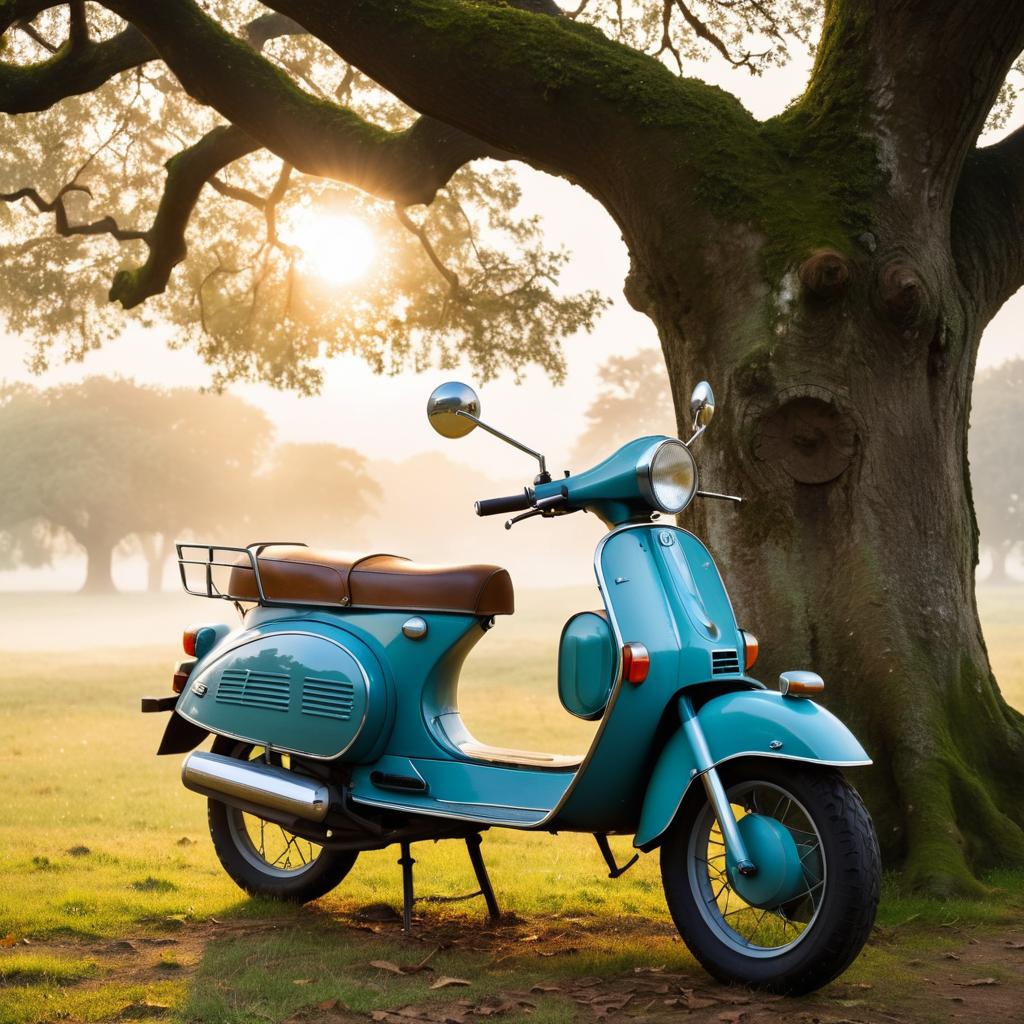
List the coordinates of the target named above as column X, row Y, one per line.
column 473, row 846
column 614, row 871
column 407, row 895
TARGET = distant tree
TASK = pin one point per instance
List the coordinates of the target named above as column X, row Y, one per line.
column 106, row 459
column 997, row 460
column 310, row 492
column 633, row 399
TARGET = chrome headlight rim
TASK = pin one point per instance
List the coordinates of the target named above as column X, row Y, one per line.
column 645, row 475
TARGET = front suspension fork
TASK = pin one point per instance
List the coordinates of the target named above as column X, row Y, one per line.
column 714, row 789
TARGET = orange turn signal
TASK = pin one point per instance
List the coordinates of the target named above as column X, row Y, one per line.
column 750, row 650
column 636, row 663
column 188, row 640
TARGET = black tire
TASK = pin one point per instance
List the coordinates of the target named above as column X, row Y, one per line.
column 841, row 922
column 242, row 861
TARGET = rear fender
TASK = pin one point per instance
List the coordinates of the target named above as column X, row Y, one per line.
column 744, row 723
column 181, row 736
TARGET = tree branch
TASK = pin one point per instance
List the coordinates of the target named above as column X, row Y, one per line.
column 187, row 173
column 988, row 223
column 76, row 68
column 557, row 94
column 884, row 52
column 104, row 226
column 314, row 135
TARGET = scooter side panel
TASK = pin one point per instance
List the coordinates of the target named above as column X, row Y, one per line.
column 750, row 723
column 296, row 685
column 662, row 589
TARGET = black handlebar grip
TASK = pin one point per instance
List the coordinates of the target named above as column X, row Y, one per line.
column 499, row 506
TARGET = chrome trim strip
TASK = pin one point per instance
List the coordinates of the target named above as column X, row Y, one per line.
column 265, row 743
column 426, row 812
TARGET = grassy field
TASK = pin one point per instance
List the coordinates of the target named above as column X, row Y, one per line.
column 113, row 907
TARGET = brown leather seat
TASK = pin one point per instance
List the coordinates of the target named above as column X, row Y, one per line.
column 299, row 575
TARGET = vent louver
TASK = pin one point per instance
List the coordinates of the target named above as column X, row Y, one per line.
column 268, row 690
column 725, row 663
column 327, row 698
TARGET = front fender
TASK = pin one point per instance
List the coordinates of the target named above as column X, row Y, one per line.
column 744, row 723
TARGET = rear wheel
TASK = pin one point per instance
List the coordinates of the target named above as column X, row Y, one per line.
column 807, row 934
column 266, row 859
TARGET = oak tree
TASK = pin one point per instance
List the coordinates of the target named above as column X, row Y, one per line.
column 830, row 269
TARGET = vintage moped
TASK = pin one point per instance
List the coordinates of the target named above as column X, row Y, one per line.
column 335, row 715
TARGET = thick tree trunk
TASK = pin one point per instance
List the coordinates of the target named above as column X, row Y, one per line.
column 855, row 551
column 99, row 577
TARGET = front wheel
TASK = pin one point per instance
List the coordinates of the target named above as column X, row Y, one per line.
column 265, row 859
column 808, row 915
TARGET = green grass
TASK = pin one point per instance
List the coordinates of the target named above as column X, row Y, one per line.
column 100, row 844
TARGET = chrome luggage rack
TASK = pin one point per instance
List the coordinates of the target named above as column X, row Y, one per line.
column 210, row 557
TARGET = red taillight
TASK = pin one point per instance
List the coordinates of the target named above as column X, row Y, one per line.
column 750, row 649
column 636, row 663
column 188, row 640
column 181, row 673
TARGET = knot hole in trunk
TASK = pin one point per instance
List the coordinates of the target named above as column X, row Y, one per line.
column 808, row 436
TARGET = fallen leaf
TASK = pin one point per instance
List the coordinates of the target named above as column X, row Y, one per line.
column 8, row 940
column 303, row 981
column 951, row 956
column 974, row 982
column 327, row 1004
column 649, row 970
column 1015, row 945
column 696, row 1002
column 387, row 965
column 588, row 982
column 732, row 1016
column 529, row 938
column 444, row 982
column 546, row 988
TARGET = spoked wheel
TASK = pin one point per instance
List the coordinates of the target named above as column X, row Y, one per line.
column 264, row 858
column 807, row 912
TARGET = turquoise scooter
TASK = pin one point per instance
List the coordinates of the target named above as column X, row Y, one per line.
column 335, row 716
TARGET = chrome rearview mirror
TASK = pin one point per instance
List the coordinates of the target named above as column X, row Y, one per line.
column 453, row 409
column 702, row 408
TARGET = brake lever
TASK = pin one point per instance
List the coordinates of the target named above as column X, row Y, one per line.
column 509, row 523
column 546, row 507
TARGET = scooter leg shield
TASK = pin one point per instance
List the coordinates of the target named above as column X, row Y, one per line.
column 744, row 723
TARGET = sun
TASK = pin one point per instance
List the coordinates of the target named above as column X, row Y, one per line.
column 335, row 247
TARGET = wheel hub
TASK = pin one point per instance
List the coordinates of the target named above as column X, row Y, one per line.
column 779, row 877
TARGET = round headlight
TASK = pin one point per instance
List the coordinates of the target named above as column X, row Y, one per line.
column 667, row 475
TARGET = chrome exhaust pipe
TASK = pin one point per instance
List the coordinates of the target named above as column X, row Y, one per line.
column 249, row 785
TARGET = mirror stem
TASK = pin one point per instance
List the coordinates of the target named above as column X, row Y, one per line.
column 508, row 440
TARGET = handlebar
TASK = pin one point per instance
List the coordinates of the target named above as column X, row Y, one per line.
column 499, row 506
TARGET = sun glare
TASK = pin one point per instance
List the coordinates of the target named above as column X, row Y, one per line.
column 337, row 248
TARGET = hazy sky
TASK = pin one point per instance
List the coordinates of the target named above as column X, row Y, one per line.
column 384, row 416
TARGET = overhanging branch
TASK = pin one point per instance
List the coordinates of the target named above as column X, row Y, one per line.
column 314, row 135
column 187, row 173
column 78, row 67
